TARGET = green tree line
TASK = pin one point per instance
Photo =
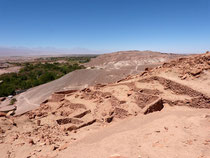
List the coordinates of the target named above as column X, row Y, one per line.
column 32, row 75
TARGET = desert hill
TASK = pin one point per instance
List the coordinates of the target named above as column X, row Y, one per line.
column 131, row 59
column 152, row 114
column 121, row 64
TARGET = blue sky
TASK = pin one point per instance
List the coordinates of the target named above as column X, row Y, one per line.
column 180, row 26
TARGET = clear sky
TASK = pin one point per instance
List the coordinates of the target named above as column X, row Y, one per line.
column 162, row 25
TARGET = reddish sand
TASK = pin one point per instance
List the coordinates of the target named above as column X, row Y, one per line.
column 162, row 112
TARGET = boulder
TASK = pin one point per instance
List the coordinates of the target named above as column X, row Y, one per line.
column 71, row 128
column 156, row 105
column 109, row 119
column 68, row 120
column 80, row 115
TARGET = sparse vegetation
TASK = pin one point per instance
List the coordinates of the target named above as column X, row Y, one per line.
column 72, row 60
column 39, row 72
column 12, row 101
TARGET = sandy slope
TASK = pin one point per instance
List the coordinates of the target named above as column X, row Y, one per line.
column 78, row 79
column 162, row 112
column 173, row 132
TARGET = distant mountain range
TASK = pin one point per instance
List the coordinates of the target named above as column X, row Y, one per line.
column 24, row 51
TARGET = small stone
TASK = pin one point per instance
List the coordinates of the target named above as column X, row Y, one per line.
column 38, row 150
column 2, row 131
column 206, row 116
column 116, row 156
column 108, row 96
column 122, row 102
column 30, row 141
column 109, row 119
column 54, row 112
column 183, row 77
column 38, row 122
column 71, row 128
column 10, row 113
column 166, row 128
column 129, row 94
column 63, row 147
column 55, row 147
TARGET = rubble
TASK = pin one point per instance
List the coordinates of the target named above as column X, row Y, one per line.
column 59, row 120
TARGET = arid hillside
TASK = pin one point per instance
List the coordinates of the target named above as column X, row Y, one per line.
column 135, row 60
column 80, row 79
column 160, row 112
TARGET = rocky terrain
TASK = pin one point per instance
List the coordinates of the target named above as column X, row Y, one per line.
column 160, row 112
column 110, row 72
